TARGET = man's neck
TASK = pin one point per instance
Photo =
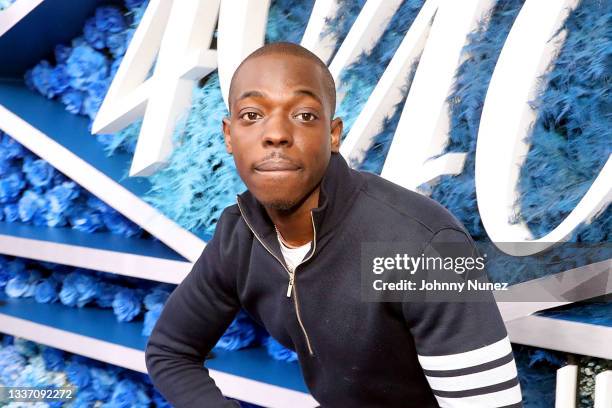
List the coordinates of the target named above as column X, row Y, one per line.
column 295, row 225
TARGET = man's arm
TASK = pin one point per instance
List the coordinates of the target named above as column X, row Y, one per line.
column 195, row 316
column 463, row 346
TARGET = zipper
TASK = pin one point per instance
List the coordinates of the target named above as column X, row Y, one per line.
column 292, row 287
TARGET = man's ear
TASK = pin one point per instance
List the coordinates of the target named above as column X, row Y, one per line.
column 336, row 134
column 227, row 136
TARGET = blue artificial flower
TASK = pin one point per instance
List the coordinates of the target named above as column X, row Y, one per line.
column 61, row 196
column 85, row 398
column 102, row 383
column 106, row 294
column 93, row 35
column 109, row 19
column 34, row 374
column 53, row 358
column 129, row 34
column 279, row 352
column 78, row 374
column 5, row 275
column 87, row 287
column 86, row 65
column 25, row 347
column 15, row 267
column 128, row 394
column 34, row 277
column 41, row 78
column 59, row 178
column 114, row 67
column 11, row 186
column 150, row 318
column 11, row 148
column 83, row 219
column 117, row 43
column 55, row 219
column 59, row 81
column 46, row 290
column 95, row 97
column 118, row 224
column 126, row 305
column 38, row 172
column 11, row 364
column 239, row 334
column 18, row 285
column 78, row 289
column 73, row 100
column 96, row 204
column 11, row 212
column 62, row 52
column 31, row 206
column 7, row 165
column 156, row 299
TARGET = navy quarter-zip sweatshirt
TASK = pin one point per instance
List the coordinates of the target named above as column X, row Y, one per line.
column 352, row 353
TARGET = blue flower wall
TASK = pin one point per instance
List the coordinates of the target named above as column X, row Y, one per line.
column 32, row 192
column 96, row 384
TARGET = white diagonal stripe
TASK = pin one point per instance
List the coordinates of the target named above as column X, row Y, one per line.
column 476, row 380
column 493, row 399
column 467, row 359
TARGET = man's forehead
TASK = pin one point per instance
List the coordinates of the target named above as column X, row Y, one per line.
column 281, row 72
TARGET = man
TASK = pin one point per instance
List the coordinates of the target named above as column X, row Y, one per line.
column 288, row 252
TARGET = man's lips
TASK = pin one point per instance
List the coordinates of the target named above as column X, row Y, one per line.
column 277, row 165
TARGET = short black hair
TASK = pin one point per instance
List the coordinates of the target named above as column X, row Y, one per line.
column 297, row 50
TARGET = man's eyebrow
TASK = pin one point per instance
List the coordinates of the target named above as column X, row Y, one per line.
column 308, row 92
column 250, row 94
column 301, row 91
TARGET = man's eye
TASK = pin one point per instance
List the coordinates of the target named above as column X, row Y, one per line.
column 250, row 115
column 306, row 116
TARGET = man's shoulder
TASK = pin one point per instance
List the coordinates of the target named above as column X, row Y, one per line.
column 229, row 223
column 230, row 215
column 384, row 196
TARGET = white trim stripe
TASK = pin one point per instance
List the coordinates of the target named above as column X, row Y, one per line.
column 477, row 380
column 493, row 399
column 467, row 359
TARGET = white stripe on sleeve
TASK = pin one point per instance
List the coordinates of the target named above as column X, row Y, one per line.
column 493, row 399
column 476, row 380
column 467, row 359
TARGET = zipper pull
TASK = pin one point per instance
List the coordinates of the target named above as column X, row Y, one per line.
column 290, row 287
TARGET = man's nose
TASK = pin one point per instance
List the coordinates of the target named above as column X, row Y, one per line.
column 277, row 131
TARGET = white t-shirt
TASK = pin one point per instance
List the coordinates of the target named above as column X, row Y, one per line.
column 293, row 256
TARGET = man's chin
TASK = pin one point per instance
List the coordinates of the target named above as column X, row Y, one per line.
column 279, row 204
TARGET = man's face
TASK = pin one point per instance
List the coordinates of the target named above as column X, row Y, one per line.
column 280, row 131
